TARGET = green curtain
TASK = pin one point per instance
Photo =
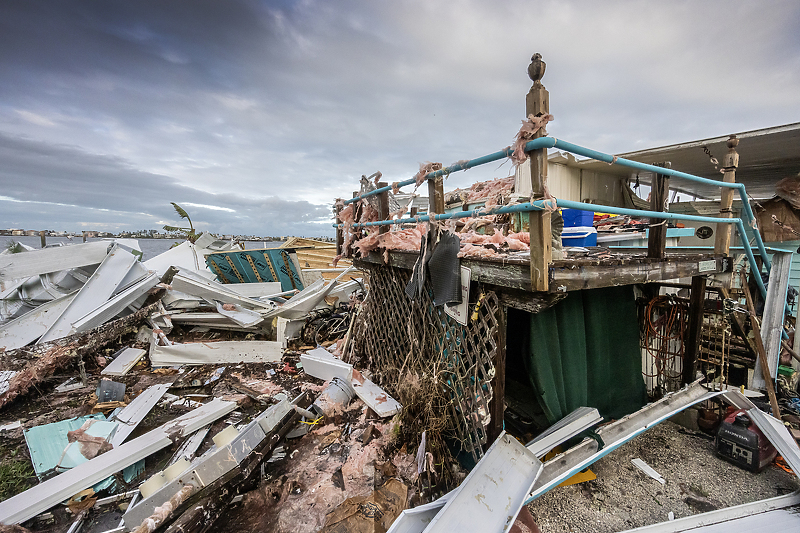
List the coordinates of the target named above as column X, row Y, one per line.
column 584, row 351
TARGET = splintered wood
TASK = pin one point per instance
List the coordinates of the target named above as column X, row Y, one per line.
column 402, row 338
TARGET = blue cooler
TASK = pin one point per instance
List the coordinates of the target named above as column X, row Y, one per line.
column 579, row 236
column 575, row 217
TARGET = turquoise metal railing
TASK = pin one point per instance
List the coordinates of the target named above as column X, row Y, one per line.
column 552, row 142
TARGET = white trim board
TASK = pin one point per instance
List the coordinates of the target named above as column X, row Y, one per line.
column 222, row 352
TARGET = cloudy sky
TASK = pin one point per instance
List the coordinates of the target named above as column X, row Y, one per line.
column 255, row 115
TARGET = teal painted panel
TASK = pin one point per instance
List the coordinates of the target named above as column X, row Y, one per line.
column 255, row 266
column 46, row 443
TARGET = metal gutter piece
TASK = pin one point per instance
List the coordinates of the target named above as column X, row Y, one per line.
column 772, row 320
column 614, row 435
column 195, row 285
column 96, row 291
column 45, row 495
column 27, row 328
column 124, row 360
column 417, row 519
column 135, row 412
column 46, row 260
column 571, row 425
column 492, row 495
column 111, row 308
column 221, row 352
column 241, row 315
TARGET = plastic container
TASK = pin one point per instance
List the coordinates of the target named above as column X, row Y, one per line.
column 579, row 236
column 576, row 218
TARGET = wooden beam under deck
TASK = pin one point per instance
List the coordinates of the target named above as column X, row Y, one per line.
column 580, row 273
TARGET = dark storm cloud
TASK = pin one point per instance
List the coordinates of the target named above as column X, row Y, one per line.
column 129, row 105
column 69, row 187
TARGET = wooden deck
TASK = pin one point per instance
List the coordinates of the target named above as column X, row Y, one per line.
column 581, row 272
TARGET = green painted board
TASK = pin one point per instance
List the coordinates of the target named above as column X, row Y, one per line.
column 257, row 266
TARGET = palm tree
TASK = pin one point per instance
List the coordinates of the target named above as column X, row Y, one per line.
column 189, row 233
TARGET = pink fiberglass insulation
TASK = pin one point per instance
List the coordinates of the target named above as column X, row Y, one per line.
column 491, row 190
column 526, row 133
column 303, row 497
column 404, row 240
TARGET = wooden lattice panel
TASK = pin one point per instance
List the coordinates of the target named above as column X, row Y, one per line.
column 393, row 332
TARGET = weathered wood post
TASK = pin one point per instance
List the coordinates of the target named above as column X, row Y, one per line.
column 659, row 194
column 383, row 213
column 339, row 230
column 43, row 237
column 436, row 195
column 692, row 341
column 730, row 162
column 537, row 103
column 84, row 236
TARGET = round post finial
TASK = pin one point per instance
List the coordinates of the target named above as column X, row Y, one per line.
column 536, row 69
column 732, row 142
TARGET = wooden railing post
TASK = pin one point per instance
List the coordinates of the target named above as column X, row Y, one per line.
column 339, row 230
column 436, row 196
column 659, row 194
column 537, row 103
column 383, row 212
column 722, row 243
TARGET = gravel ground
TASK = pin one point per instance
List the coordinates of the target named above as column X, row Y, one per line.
column 622, row 497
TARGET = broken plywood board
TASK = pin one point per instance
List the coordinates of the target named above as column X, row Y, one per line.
column 37, row 262
column 216, row 353
column 123, row 361
column 57, row 489
column 491, row 496
column 375, row 397
column 95, row 292
column 129, row 417
column 27, row 328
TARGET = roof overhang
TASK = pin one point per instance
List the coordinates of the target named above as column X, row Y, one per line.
column 765, row 157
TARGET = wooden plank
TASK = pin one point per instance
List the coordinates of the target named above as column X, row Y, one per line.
column 566, row 275
column 565, row 279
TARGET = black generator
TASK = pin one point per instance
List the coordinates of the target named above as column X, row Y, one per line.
column 742, row 443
